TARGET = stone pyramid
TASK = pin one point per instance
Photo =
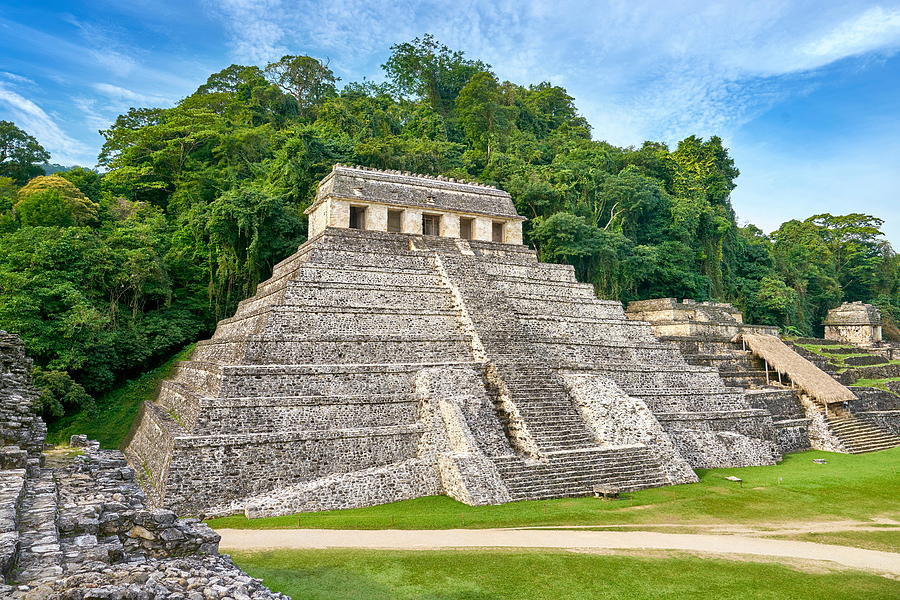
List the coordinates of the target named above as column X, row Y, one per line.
column 413, row 346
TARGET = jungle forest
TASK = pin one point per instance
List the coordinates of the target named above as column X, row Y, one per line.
column 107, row 272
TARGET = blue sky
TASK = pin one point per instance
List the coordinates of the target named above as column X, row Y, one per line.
column 806, row 93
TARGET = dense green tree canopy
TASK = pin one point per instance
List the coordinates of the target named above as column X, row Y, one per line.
column 21, row 156
column 106, row 274
column 54, row 200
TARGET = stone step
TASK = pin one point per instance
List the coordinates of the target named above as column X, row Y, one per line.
column 860, row 436
column 40, row 554
column 575, row 473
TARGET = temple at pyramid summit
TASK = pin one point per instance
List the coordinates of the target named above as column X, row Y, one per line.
column 414, row 346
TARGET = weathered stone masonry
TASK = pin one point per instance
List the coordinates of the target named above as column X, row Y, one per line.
column 76, row 526
column 376, row 365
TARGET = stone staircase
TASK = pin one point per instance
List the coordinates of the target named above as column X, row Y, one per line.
column 540, row 398
column 859, row 436
column 739, row 369
column 569, row 461
column 571, row 474
column 40, row 553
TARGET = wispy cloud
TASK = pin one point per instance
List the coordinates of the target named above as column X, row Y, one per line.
column 873, row 30
column 120, row 93
column 16, row 78
column 33, row 119
column 638, row 70
column 256, row 27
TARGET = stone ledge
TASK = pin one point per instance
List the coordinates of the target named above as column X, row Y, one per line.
column 255, row 439
column 712, row 416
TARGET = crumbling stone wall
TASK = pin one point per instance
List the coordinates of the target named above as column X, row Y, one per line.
column 77, row 527
column 22, row 432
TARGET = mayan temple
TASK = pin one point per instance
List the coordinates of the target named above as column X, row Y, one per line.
column 414, row 346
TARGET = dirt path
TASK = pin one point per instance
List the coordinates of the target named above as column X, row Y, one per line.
column 757, row 529
column 858, row 558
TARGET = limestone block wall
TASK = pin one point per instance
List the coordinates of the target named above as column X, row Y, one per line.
column 234, row 466
column 377, row 217
column 858, row 335
column 450, row 226
column 412, row 221
column 512, row 232
column 21, row 431
column 710, row 320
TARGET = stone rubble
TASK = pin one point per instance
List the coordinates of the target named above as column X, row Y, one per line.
column 73, row 523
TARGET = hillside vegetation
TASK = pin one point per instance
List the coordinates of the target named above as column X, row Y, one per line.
column 105, row 276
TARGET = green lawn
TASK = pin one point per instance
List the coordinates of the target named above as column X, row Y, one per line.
column 849, row 486
column 545, row 575
column 838, row 360
column 116, row 410
column 881, row 384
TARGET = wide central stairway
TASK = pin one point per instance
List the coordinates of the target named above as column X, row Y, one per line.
column 317, row 388
column 564, row 458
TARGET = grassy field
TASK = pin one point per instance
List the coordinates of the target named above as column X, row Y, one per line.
column 855, row 487
column 116, row 410
column 545, row 575
column 881, row 384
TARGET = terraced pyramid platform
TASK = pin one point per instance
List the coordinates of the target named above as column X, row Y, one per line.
column 379, row 365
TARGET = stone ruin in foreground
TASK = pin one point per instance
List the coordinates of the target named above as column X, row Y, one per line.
column 413, row 346
column 75, row 526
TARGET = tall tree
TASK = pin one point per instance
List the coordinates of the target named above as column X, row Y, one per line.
column 21, row 155
column 432, row 71
column 305, row 78
column 50, row 200
column 482, row 113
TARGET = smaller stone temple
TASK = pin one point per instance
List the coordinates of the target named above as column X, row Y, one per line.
column 854, row 323
column 808, row 406
column 689, row 318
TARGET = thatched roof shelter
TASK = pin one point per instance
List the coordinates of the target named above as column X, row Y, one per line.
column 816, row 383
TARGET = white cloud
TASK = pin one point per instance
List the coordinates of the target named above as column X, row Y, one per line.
column 638, row 70
column 256, row 28
column 119, row 93
column 16, row 78
column 875, row 29
column 31, row 118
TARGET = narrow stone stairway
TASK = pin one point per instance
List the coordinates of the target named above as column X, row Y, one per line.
column 40, row 554
column 860, row 436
